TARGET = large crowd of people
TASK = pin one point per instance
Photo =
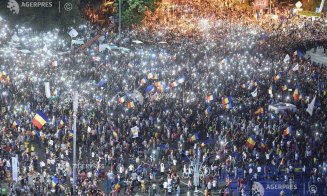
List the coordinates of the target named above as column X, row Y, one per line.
column 161, row 99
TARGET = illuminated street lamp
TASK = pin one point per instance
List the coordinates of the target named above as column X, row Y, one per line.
column 75, row 109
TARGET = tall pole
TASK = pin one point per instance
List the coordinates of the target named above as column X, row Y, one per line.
column 75, row 109
column 119, row 27
column 196, row 165
column 269, row 6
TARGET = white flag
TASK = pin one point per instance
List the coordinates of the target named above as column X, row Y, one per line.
column 47, row 89
column 296, row 68
column 137, row 42
column 78, row 42
column 311, row 106
column 14, row 166
column 255, row 93
column 287, row 58
column 73, row 33
column 53, row 121
column 103, row 47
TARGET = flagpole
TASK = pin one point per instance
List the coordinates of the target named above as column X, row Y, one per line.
column 75, row 109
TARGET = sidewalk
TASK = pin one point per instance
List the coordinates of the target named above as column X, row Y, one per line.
column 319, row 56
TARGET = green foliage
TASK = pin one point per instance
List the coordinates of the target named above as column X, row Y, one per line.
column 133, row 11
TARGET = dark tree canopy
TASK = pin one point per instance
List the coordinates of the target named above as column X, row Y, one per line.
column 133, row 11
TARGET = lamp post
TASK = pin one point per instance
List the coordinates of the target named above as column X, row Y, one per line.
column 197, row 165
column 75, row 109
column 119, row 25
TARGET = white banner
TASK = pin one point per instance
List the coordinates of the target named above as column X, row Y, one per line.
column 296, row 68
column 73, row 33
column 287, row 58
column 311, row 106
column 78, row 42
column 47, row 89
column 135, row 132
column 14, row 165
column 103, row 47
column 255, row 93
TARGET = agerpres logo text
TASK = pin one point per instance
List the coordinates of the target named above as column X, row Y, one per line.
column 259, row 190
column 14, row 6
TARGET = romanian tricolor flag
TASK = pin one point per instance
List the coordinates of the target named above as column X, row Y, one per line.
column 278, row 76
column 255, row 83
column 284, row 87
column 7, row 79
column 55, row 181
column 71, row 133
column 296, row 94
column 263, row 145
column 228, row 102
column 174, row 84
column 225, row 101
column 245, row 85
column 62, row 122
column 250, row 142
column 55, row 93
column 15, row 124
column 209, row 98
column 143, row 81
column 208, row 111
column 287, row 131
column 35, row 132
column 121, row 99
column 130, row 105
column 162, row 88
column 40, row 119
column 149, row 88
column 98, row 99
column 2, row 75
column 194, row 137
column 150, row 76
column 157, row 84
column 229, row 105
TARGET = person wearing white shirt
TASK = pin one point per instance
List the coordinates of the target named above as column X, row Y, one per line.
column 131, row 168
column 165, row 186
column 259, row 170
column 162, row 169
column 214, row 184
column 250, row 170
column 209, row 186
